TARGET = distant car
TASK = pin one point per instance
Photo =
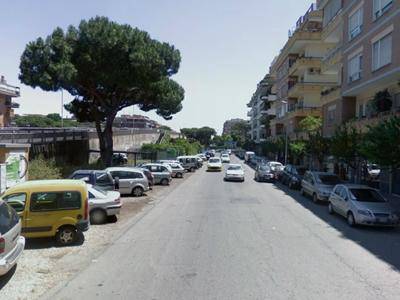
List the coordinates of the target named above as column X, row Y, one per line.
column 276, row 167
column 12, row 243
column 229, row 151
column 199, row 162
column 177, row 171
column 189, row 163
column 100, row 178
column 119, row 159
column 225, row 158
column 248, row 155
column 319, row 185
column 292, row 176
column 234, row 172
column 103, row 204
column 362, row 205
column 373, row 171
column 132, row 181
column 264, row 173
column 162, row 174
column 214, row 164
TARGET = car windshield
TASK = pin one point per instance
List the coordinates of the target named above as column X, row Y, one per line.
column 328, row 179
column 265, row 168
column 373, row 167
column 276, row 165
column 366, row 195
column 214, row 160
column 234, row 168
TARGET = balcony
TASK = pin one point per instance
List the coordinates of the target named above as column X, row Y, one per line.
column 298, row 89
column 304, row 111
column 331, row 94
column 272, row 97
column 9, row 90
column 363, row 123
column 332, row 59
column 304, row 63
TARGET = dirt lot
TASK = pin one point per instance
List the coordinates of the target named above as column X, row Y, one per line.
column 43, row 265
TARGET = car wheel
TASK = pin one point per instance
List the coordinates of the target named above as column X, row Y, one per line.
column 330, row 208
column 315, row 198
column 98, row 216
column 192, row 169
column 137, row 191
column 165, row 181
column 179, row 175
column 350, row 219
column 66, row 236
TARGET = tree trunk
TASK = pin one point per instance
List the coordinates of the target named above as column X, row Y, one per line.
column 106, row 141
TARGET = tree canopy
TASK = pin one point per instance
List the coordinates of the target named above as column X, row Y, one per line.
column 202, row 135
column 106, row 67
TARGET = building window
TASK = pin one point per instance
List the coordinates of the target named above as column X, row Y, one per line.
column 355, row 23
column 382, row 52
column 380, row 7
column 331, row 10
column 331, row 114
column 361, row 111
column 355, row 68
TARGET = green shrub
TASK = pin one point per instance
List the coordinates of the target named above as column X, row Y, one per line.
column 41, row 168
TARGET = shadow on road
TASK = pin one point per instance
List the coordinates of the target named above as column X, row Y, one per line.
column 7, row 277
column 383, row 242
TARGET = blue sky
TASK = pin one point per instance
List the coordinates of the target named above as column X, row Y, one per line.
column 226, row 46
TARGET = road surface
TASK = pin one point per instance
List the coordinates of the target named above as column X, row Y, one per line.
column 210, row 239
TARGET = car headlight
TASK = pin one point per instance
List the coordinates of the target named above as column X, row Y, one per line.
column 366, row 213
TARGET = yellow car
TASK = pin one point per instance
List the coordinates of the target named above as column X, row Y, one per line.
column 214, row 164
column 51, row 208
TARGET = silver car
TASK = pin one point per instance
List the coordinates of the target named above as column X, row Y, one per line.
column 363, row 205
column 318, row 185
column 103, row 204
column 162, row 174
column 11, row 243
column 131, row 180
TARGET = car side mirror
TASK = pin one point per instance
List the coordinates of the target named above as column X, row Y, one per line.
column 85, row 179
column 116, row 183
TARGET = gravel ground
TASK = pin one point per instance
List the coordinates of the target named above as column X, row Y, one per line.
column 43, row 265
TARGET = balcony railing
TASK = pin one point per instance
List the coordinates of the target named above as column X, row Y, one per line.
column 302, row 19
column 9, row 90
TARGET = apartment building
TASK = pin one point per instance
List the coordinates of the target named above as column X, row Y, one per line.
column 7, row 92
column 299, row 80
column 260, row 111
column 371, row 58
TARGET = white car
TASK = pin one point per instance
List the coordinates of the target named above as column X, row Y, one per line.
column 275, row 166
column 214, row 164
column 103, row 204
column 225, row 158
column 234, row 172
column 12, row 243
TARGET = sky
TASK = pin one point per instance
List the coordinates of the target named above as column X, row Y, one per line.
column 226, row 47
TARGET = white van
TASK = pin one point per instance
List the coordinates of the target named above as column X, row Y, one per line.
column 248, row 155
column 189, row 163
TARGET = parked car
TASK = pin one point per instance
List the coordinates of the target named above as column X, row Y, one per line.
column 177, row 171
column 225, row 158
column 100, row 178
column 362, row 205
column 132, row 181
column 264, row 173
column 276, row 167
column 51, row 208
column 234, row 172
column 11, row 242
column 248, row 155
column 103, row 204
column 292, row 176
column 189, row 163
column 161, row 173
column 214, row 164
column 119, row 159
column 373, row 171
column 199, row 162
column 319, row 185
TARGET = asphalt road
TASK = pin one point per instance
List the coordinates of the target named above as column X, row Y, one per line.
column 210, row 239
